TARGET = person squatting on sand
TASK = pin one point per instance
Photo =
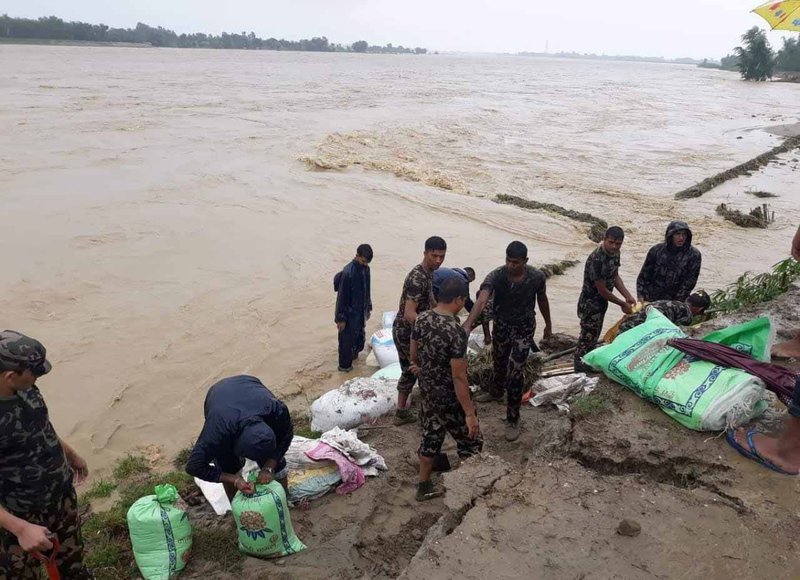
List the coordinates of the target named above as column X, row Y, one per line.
column 438, row 359
column 243, row 420
column 416, row 298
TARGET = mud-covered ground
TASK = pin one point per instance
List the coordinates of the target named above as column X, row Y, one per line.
column 549, row 504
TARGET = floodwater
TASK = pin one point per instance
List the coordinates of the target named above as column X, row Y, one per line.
column 171, row 217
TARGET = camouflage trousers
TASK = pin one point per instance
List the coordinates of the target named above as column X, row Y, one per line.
column 437, row 421
column 592, row 315
column 401, row 333
column 511, row 346
column 63, row 520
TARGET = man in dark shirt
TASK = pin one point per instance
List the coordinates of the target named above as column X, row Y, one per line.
column 600, row 278
column 353, row 306
column 671, row 268
column 243, row 420
column 37, row 497
column 416, row 298
column 515, row 289
column 679, row 313
column 438, row 354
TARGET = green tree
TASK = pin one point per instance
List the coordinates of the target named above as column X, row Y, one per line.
column 360, row 46
column 756, row 59
column 788, row 59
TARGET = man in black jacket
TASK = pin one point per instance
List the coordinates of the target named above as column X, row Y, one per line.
column 353, row 306
column 671, row 268
column 244, row 420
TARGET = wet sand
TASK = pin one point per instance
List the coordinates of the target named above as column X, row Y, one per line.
column 167, row 233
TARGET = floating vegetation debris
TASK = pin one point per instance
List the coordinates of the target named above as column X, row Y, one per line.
column 596, row 231
column 760, row 194
column 557, row 268
column 759, row 217
column 744, row 169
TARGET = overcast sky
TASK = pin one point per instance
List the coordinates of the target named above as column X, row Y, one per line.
column 697, row 28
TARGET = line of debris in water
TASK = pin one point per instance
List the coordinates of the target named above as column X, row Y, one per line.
column 596, row 231
column 744, row 169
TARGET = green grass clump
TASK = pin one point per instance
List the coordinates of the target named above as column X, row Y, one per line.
column 129, row 466
column 301, row 425
column 591, row 404
column 183, row 456
column 218, row 544
column 752, row 289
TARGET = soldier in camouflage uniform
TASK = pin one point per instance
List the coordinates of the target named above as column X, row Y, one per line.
column 671, row 268
column 438, row 354
column 416, row 298
column 679, row 313
column 600, row 277
column 515, row 289
column 37, row 496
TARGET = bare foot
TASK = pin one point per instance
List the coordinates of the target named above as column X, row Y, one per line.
column 787, row 349
column 772, row 449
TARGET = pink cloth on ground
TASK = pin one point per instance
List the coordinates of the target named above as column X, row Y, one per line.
column 352, row 475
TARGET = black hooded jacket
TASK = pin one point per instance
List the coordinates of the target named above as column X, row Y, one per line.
column 670, row 273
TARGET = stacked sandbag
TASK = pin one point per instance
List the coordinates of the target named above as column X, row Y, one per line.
column 161, row 534
column 356, row 402
column 698, row 394
column 263, row 521
column 383, row 347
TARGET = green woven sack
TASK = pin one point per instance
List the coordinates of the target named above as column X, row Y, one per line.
column 698, row 394
column 161, row 534
column 263, row 521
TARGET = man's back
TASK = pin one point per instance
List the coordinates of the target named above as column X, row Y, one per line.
column 440, row 338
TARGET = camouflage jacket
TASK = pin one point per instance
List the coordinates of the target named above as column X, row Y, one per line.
column 418, row 287
column 514, row 303
column 600, row 265
column 34, row 472
column 440, row 338
column 676, row 312
column 670, row 272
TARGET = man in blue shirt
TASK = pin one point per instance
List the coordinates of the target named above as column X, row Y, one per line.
column 467, row 275
column 353, row 306
column 244, row 420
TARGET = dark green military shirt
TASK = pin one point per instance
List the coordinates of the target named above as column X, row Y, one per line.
column 440, row 338
column 600, row 265
column 34, row 473
column 418, row 287
column 514, row 303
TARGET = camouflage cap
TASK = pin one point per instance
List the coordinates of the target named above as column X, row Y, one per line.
column 19, row 352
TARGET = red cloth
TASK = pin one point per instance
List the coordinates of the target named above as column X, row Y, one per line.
column 778, row 379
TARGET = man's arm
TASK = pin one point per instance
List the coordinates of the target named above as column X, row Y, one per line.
column 458, row 366
column 796, row 245
column 30, row 536
column 544, row 308
column 645, row 275
column 483, row 299
column 75, row 461
column 604, row 292
column 413, row 356
column 342, row 300
column 692, row 274
column 620, row 285
column 410, row 311
column 368, row 275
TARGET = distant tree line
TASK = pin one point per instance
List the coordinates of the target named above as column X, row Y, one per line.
column 757, row 61
column 53, row 28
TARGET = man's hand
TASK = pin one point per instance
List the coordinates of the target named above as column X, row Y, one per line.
column 341, row 325
column 33, row 538
column 245, row 487
column 548, row 332
column 487, row 339
column 79, row 468
column 414, row 369
column 626, row 308
column 369, row 314
column 796, row 245
column 265, row 476
column 630, row 300
column 474, row 426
